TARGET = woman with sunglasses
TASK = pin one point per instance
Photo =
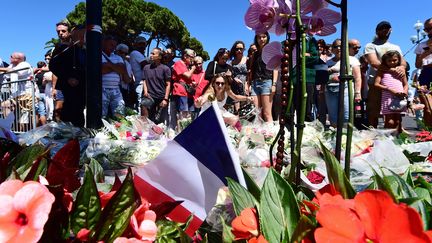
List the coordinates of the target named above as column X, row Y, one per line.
column 219, row 65
column 263, row 81
column 240, row 70
column 219, row 90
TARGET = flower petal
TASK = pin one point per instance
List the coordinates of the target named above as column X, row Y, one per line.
column 26, row 234
column 371, row 206
column 8, row 231
column 148, row 230
column 7, row 212
column 402, row 222
column 35, row 201
column 338, row 222
column 272, row 50
column 10, row 187
column 329, row 16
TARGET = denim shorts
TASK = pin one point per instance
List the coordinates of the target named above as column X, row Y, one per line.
column 59, row 95
column 40, row 107
column 261, row 87
column 185, row 103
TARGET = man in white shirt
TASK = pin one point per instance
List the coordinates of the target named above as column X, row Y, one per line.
column 138, row 61
column 373, row 53
column 113, row 71
column 22, row 90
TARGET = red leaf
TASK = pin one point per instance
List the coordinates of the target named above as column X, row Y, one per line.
column 64, row 167
column 163, row 209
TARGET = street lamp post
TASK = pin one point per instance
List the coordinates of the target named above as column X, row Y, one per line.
column 418, row 37
column 415, row 39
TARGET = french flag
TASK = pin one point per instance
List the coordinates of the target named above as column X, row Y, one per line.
column 191, row 169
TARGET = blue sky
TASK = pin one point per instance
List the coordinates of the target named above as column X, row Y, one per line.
column 27, row 25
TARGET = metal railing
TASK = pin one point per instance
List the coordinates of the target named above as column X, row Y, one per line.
column 16, row 98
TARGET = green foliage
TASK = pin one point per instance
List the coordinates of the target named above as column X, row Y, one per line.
column 241, row 197
column 227, row 235
column 128, row 19
column 172, row 232
column 97, row 171
column 87, row 207
column 336, row 174
column 278, row 209
column 116, row 214
column 251, row 185
column 24, row 160
column 304, row 227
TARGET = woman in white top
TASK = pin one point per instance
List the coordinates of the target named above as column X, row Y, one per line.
column 219, row 90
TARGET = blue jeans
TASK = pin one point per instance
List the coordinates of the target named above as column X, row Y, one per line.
column 261, row 87
column 112, row 99
column 332, row 100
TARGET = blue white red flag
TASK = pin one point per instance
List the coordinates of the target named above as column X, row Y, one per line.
column 191, row 169
column 6, row 126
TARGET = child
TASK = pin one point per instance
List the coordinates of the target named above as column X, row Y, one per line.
column 394, row 89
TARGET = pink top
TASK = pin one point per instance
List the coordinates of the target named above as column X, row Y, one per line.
column 392, row 83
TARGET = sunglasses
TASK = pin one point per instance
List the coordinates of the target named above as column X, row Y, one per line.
column 356, row 47
column 336, row 46
column 223, row 50
column 239, row 49
column 427, row 29
column 220, row 83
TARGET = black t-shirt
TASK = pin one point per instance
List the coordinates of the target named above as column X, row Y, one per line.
column 259, row 70
column 39, row 79
column 210, row 71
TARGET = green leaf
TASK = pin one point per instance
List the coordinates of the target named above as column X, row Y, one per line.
column 406, row 191
column 87, row 207
column 336, row 174
column 304, row 227
column 97, row 170
column 278, row 207
column 116, row 214
column 423, row 194
column 241, row 197
column 408, row 178
column 252, row 187
column 38, row 168
column 227, row 235
column 382, row 183
column 24, row 159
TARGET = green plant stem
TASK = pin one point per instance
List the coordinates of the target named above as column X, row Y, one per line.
column 295, row 163
column 348, row 78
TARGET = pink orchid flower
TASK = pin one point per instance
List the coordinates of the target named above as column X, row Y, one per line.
column 260, row 15
column 24, row 210
column 143, row 223
column 272, row 55
column 322, row 22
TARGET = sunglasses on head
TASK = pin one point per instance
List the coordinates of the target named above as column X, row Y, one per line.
column 223, row 50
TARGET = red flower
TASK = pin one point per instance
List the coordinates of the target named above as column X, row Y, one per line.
column 315, row 177
column 245, row 225
column 373, row 218
column 83, row 234
column 259, row 239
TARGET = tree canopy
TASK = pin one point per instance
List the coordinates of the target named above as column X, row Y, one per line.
column 127, row 19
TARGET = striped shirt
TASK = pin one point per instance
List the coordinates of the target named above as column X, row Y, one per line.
column 112, row 79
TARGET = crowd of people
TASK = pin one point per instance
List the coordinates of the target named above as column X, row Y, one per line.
column 166, row 90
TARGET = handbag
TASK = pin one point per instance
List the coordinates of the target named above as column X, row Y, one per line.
column 247, row 111
column 398, row 104
column 190, row 89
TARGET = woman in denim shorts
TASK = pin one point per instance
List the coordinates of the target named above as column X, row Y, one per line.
column 263, row 81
